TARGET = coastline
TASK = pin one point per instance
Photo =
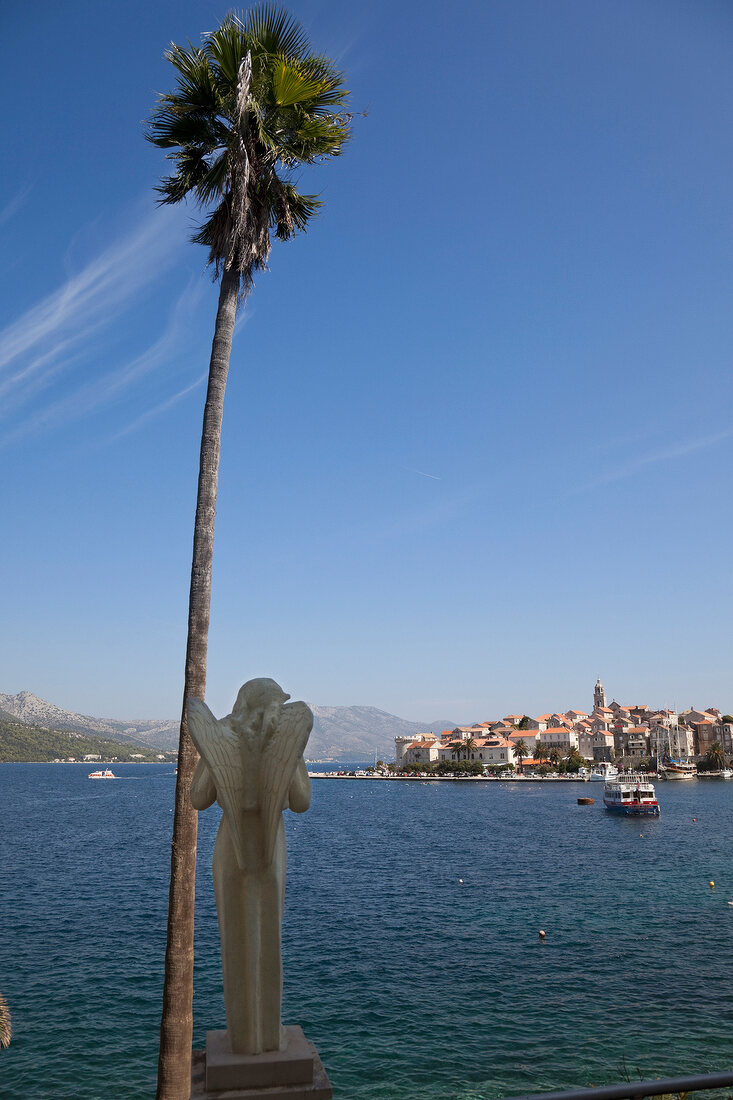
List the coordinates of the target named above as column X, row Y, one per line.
column 452, row 778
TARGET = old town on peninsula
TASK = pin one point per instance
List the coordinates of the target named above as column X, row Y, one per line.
column 636, row 736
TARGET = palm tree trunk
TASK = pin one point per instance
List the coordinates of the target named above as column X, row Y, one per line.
column 176, row 1026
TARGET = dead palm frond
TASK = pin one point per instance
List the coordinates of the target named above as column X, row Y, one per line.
column 6, row 1030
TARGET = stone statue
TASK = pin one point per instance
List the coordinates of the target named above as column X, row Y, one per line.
column 252, row 765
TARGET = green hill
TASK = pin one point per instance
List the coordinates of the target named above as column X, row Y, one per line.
column 30, row 744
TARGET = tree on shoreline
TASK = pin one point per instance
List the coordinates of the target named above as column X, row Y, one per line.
column 715, row 757
column 520, row 751
column 252, row 104
column 575, row 761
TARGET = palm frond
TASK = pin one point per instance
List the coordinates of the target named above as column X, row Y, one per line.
column 315, row 139
column 213, row 184
column 192, row 170
column 291, row 85
column 277, row 31
column 196, row 80
column 331, row 79
column 290, row 211
column 224, row 48
column 176, row 125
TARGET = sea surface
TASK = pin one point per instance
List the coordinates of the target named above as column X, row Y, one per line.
column 414, row 985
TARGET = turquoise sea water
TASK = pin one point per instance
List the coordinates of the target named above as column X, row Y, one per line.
column 413, row 985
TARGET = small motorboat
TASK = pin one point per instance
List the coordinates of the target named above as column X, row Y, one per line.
column 603, row 771
column 103, row 774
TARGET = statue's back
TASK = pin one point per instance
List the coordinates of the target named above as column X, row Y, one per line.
column 252, row 755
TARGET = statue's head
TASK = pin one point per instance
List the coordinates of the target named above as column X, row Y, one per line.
column 256, row 697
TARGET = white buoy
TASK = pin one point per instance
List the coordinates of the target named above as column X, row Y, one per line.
column 461, row 881
column 542, row 933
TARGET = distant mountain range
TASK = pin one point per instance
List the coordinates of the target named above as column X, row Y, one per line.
column 339, row 733
column 20, row 742
column 357, row 733
column 37, row 712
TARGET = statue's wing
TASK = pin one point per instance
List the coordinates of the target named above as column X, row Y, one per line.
column 220, row 749
column 283, row 749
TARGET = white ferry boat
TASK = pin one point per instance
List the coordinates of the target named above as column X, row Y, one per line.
column 106, row 774
column 631, row 794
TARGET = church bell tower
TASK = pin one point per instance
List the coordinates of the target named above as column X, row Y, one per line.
column 599, row 696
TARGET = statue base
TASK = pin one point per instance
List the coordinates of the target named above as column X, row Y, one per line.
column 294, row 1073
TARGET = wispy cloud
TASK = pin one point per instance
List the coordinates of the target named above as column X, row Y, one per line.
column 62, row 360
column 443, row 511
column 12, row 207
column 664, row 454
column 90, row 300
column 87, row 398
column 151, row 414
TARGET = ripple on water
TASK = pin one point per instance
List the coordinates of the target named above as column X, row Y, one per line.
column 413, row 984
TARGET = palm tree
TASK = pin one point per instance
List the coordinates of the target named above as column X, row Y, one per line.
column 575, row 761
column 540, row 751
column 5, row 1029
column 469, row 745
column 520, row 751
column 715, row 757
column 457, row 748
column 555, row 756
column 251, row 104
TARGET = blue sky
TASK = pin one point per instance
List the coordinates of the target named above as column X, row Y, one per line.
column 477, row 440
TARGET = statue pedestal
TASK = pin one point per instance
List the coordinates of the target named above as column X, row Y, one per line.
column 294, row 1073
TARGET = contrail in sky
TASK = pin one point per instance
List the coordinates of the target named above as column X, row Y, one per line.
column 421, row 473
